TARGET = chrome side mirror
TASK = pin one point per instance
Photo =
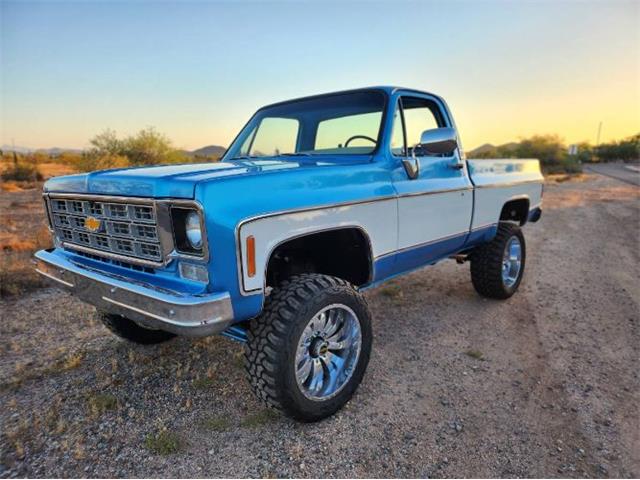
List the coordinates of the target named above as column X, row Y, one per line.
column 439, row 141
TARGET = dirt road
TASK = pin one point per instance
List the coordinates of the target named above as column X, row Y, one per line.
column 545, row 384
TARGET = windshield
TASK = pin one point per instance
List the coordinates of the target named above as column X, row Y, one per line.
column 346, row 123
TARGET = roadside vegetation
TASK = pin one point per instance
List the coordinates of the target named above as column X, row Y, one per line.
column 554, row 155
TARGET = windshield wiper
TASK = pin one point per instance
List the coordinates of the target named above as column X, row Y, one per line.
column 296, row 154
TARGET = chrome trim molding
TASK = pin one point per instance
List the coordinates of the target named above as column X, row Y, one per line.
column 509, row 184
column 486, row 225
column 148, row 305
column 436, row 192
column 54, row 278
column 423, row 244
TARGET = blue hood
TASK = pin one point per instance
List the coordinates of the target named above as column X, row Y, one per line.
column 176, row 181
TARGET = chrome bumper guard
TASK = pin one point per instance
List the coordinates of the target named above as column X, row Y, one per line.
column 145, row 304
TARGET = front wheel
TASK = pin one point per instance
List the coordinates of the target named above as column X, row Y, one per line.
column 497, row 267
column 308, row 351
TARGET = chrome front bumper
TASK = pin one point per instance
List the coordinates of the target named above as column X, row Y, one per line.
column 145, row 304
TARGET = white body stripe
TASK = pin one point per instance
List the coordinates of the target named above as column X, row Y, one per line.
column 377, row 219
column 425, row 218
column 490, row 200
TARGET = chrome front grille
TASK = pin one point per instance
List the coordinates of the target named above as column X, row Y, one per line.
column 123, row 228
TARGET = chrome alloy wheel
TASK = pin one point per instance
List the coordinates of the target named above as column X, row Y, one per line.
column 511, row 262
column 328, row 352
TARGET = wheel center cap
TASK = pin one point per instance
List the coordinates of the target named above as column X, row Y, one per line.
column 319, row 347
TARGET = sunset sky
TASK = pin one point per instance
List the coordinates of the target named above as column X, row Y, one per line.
column 198, row 70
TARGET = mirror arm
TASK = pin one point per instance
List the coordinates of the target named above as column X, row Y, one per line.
column 412, row 165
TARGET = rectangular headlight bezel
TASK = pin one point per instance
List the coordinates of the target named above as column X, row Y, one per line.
column 182, row 246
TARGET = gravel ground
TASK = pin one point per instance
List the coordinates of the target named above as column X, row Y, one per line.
column 542, row 385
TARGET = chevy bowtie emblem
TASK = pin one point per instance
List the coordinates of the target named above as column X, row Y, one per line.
column 93, row 224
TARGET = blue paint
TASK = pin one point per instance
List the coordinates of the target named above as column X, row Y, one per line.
column 534, row 215
column 166, row 278
column 482, row 235
column 237, row 333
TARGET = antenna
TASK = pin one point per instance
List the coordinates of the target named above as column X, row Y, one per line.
column 599, row 132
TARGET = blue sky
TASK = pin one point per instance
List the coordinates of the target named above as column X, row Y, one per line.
column 197, row 70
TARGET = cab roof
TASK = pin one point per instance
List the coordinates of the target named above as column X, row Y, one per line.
column 387, row 89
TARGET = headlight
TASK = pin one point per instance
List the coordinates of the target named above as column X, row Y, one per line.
column 188, row 233
column 194, row 231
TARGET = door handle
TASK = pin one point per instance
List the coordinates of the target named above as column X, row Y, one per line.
column 457, row 165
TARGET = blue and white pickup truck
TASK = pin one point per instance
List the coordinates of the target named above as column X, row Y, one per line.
column 316, row 200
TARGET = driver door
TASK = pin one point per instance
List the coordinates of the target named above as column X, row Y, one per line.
column 434, row 208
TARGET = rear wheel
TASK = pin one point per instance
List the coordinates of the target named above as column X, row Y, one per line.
column 131, row 331
column 308, row 351
column 497, row 267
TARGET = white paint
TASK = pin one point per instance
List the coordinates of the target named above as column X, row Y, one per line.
column 489, row 201
column 377, row 219
column 425, row 218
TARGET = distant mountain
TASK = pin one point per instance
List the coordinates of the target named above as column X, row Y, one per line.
column 49, row 151
column 215, row 151
column 487, row 148
column 212, row 151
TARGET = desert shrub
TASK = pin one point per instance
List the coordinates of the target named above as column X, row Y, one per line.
column 22, row 171
column 92, row 160
column 569, row 164
column 549, row 149
column 70, row 158
column 625, row 150
column 17, row 275
column 147, row 147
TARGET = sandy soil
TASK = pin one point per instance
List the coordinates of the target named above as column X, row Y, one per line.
column 545, row 384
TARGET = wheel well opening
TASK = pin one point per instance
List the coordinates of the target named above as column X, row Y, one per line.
column 343, row 253
column 516, row 211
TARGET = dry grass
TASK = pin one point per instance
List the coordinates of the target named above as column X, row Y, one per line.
column 49, row 170
column 17, row 275
column 23, row 231
column 10, row 186
column 476, row 354
column 567, row 177
column 216, row 423
column 391, row 291
column 165, row 442
column 99, row 403
column 259, row 418
column 24, row 371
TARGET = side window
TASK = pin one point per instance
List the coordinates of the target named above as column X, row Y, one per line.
column 274, row 136
column 419, row 115
column 397, row 134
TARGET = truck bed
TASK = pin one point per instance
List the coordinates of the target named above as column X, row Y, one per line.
column 498, row 181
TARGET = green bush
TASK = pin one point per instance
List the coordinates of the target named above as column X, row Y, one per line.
column 22, row 172
column 147, row 147
column 625, row 150
column 569, row 164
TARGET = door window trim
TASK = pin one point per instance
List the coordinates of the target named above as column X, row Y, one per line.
column 441, row 111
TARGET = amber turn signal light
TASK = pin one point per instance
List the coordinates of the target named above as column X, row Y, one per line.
column 251, row 256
